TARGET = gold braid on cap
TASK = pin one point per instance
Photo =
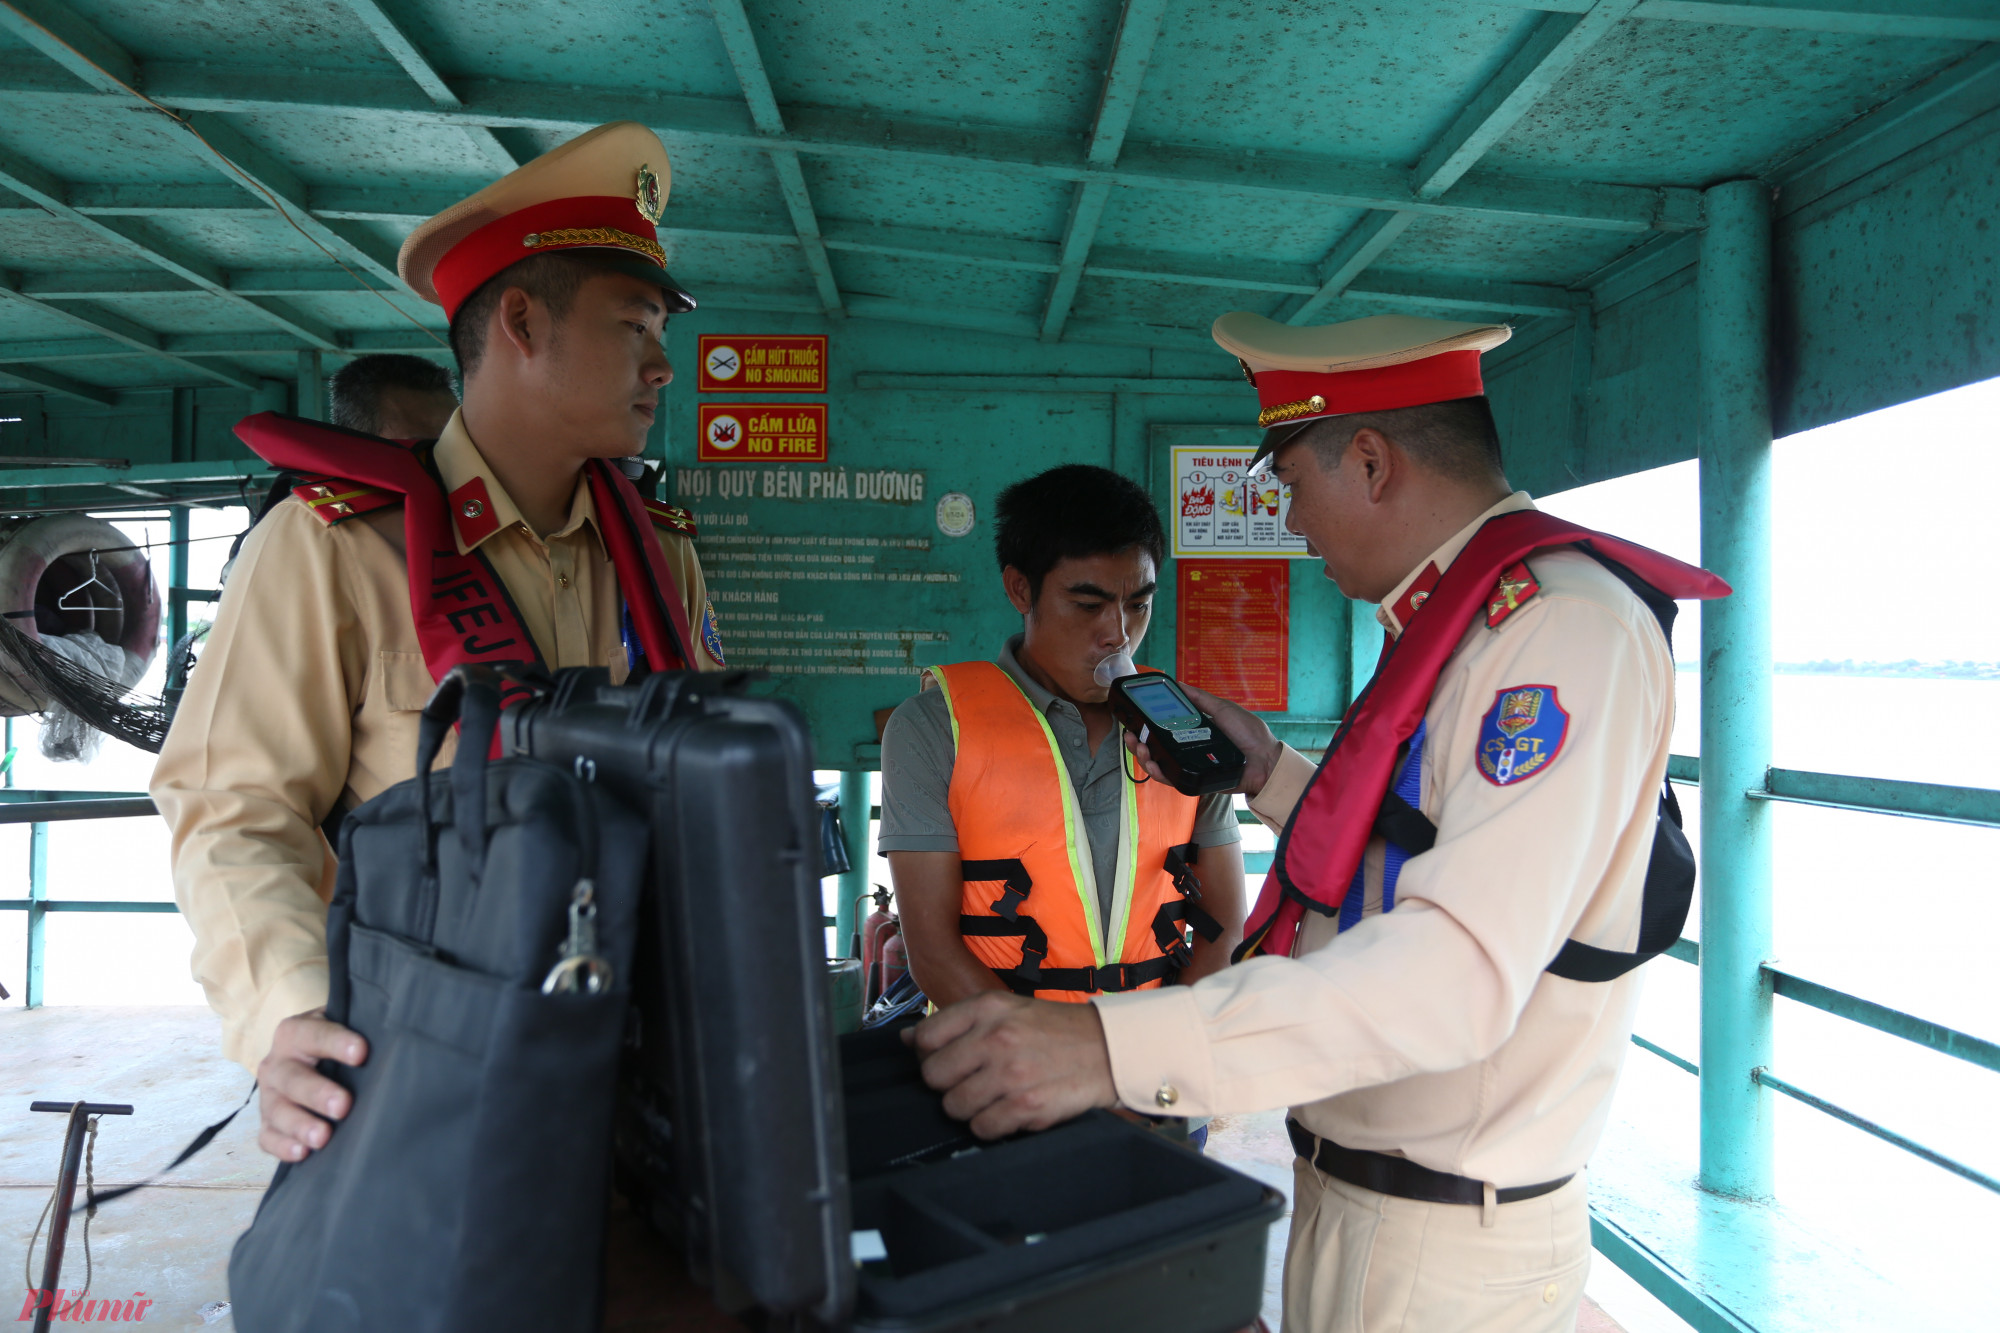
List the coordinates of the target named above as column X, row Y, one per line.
column 1305, row 407
column 623, row 240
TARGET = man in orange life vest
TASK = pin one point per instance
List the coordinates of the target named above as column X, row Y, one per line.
column 1025, row 856
column 1438, row 978
column 511, row 538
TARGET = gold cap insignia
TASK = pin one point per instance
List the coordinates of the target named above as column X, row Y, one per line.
column 651, row 199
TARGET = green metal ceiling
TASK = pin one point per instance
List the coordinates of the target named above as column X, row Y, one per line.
column 196, row 190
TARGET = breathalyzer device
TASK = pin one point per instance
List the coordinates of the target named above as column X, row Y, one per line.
column 1184, row 741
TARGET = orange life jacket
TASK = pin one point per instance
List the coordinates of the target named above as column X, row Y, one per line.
column 1031, row 910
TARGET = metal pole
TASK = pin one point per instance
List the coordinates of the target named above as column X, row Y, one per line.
column 72, row 1159
column 1733, row 297
column 52, row 1256
column 38, row 892
column 854, row 817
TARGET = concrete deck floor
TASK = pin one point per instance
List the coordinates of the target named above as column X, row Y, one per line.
column 172, row 1242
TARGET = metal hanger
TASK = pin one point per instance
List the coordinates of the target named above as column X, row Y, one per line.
column 62, row 602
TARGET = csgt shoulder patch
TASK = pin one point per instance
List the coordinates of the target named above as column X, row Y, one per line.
column 711, row 638
column 1521, row 734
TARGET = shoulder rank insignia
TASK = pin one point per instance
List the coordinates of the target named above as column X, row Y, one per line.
column 1517, row 584
column 1521, row 734
column 671, row 517
column 333, row 500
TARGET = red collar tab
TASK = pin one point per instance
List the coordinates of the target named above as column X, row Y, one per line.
column 1517, row 584
column 595, row 221
column 472, row 513
column 462, row 610
column 1295, row 395
column 1329, row 828
column 1414, row 596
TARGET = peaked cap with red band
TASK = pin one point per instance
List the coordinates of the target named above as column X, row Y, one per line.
column 603, row 191
column 1362, row 365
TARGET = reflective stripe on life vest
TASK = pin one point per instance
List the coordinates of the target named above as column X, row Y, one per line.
column 1030, row 909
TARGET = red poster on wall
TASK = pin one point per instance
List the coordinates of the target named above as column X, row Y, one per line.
column 1233, row 635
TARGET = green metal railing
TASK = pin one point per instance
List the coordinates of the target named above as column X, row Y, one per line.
column 39, row 809
column 1913, row 800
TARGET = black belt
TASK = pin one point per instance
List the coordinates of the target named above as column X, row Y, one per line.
column 1403, row 1178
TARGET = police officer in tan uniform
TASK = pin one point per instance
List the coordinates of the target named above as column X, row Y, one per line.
column 1445, row 1090
column 306, row 697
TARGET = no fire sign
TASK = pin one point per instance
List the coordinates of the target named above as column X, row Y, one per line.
column 763, row 433
column 762, row 364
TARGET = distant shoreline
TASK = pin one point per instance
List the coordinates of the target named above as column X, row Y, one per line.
column 1906, row 670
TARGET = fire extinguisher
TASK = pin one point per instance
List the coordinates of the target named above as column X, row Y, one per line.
column 895, row 959
column 872, row 934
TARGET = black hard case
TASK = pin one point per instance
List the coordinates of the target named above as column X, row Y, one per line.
column 750, row 1137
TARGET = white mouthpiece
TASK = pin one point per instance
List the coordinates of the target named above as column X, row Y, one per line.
column 1114, row 667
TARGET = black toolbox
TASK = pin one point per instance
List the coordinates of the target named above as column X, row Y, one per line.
column 780, row 1162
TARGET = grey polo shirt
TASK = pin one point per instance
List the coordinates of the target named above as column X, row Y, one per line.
column 917, row 758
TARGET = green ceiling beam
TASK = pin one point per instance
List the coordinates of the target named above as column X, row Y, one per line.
column 403, row 50
column 1961, row 20
column 1555, row 44
column 1086, row 210
column 738, row 38
column 40, row 377
column 72, row 43
column 916, row 243
column 1230, row 387
column 1131, row 52
column 30, row 182
column 157, row 474
column 1030, row 154
column 1363, row 244
column 121, row 331
column 1950, row 100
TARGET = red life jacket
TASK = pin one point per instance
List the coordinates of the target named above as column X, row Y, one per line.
column 462, row 610
column 1328, row 831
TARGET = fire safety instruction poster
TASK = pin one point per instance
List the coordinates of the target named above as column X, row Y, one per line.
column 1220, row 513
column 1234, row 630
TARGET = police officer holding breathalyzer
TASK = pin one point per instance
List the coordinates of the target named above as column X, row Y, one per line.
column 1438, row 977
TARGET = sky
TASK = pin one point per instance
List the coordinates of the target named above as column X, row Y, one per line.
column 1883, row 531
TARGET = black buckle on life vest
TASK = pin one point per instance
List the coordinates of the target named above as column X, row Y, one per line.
column 1167, row 920
column 1009, row 921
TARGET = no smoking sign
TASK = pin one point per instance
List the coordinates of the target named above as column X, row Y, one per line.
column 762, row 364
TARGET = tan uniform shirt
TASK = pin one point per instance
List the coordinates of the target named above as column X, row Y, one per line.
column 307, row 693
column 1431, row 1031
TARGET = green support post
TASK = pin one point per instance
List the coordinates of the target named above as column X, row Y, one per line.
column 1733, row 296
column 177, row 575
column 38, row 892
column 1364, row 645
column 854, row 807
column 311, row 386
